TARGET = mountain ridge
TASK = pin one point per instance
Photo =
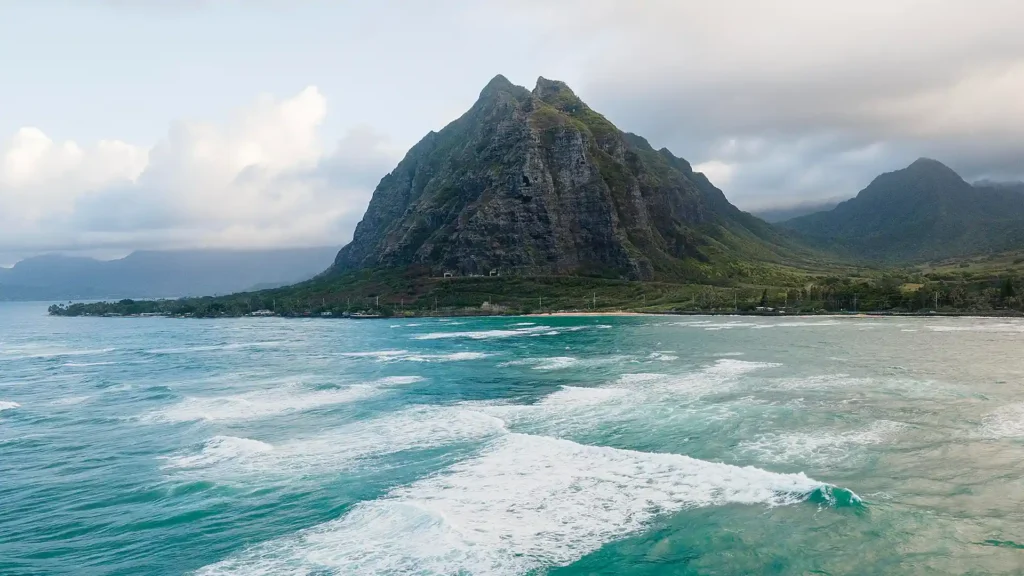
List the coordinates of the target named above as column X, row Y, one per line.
column 536, row 182
column 923, row 212
column 158, row 273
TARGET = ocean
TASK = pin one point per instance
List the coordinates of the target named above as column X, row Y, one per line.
column 510, row 445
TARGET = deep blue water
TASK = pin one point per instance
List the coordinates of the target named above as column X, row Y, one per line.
column 542, row 445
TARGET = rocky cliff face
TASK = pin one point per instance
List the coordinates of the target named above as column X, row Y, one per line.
column 538, row 183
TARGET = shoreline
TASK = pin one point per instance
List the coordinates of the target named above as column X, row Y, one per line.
column 586, row 314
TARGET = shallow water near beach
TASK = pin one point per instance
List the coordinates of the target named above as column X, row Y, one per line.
column 505, row 446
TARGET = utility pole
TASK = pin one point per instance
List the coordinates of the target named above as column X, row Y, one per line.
column 855, row 302
column 936, row 301
column 645, row 300
column 735, row 306
column 376, row 303
column 540, row 302
column 594, row 306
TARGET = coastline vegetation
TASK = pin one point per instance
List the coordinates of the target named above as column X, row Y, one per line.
column 980, row 286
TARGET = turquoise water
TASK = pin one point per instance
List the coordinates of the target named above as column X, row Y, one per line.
column 593, row 445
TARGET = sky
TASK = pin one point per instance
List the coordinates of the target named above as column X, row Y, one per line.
column 146, row 124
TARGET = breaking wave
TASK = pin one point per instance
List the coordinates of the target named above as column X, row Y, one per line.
column 527, row 503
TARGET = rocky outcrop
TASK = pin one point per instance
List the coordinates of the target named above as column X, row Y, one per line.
column 538, row 183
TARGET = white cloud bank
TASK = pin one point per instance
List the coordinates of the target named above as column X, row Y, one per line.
column 796, row 100
column 261, row 179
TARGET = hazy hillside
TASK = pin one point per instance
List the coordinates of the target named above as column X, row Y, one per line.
column 923, row 212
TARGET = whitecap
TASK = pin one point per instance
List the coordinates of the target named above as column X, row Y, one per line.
column 819, row 446
column 399, row 380
column 483, row 334
column 216, row 347
column 87, row 364
column 69, row 400
column 731, row 368
column 526, row 504
column 259, row 404
column 406, row 356
column 632, row 397
column 31, row 353
column 220, row 450
column 799, row 324
column 662, row 356
column 1005, row 422
column 453, row 357
column 4, row 405
column 379, row 354
column 572, row 396
column 1006, row 327
column 229, row 458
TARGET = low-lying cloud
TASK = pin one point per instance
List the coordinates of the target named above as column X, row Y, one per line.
column 262, row 179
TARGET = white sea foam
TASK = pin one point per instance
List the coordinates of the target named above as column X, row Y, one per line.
column 731, row 368
column 220, row 450
column 37, row 352
column 563, row 362
column 87, row 364
column 216, row 347
column 406, row 356
column 378, row 354
column 631, row 397
column 1005, row 422
column 399, row 380
column 526, row 504
column 573, row 396
column 1008, row 327
column 483, row 334
column 663, row 356
column 229, row 458
column 557, row 363
column 727, row 354
column 820, row 382
column 260, row 403
column 453, row 357
column 5, row 405
column 714, row 326
column 819, row 446
column 525, row 324
column 69, row 400
column 799, row 324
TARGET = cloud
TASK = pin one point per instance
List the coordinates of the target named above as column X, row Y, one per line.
column 830, row 93
column 260, row 179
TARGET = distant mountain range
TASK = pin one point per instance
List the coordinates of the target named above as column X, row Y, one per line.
column 538, row 183
column 923, row 212
column 151, row 274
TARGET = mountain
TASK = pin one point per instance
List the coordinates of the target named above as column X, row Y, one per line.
column 925, row 211
column 538, row 183
column 148, row 274
column 783, row 213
